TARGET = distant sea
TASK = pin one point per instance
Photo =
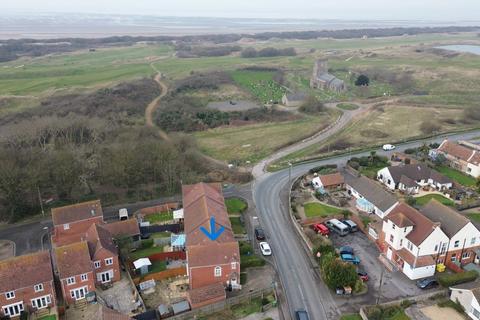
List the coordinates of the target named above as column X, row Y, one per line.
column 462, row 48
column 43, row 26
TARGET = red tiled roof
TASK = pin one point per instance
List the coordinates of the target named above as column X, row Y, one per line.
column 456, row 150
column 73, row 260
column 401, row 220
column 123, row 228
column 77, row 212
column 25, row 271
column 422, row 226
column 203, row 294
column 417, row 262
column 332, row 179
column 97, row 238
column 201, row 202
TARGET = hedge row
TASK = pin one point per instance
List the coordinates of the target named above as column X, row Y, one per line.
column 448, row 280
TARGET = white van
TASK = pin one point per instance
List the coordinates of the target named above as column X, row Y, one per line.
column 123, row 214
column 337, row 226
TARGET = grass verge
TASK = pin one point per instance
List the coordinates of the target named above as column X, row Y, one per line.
column 235, row 205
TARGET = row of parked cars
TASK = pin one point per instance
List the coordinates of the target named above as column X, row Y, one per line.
column 340, row 227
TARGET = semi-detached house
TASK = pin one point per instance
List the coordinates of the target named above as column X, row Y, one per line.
column 26, row 284
column 412, row 242
column 463, row 156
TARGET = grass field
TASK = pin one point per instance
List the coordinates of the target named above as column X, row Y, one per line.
column 254, row 142
column 260, row 84
column 237, row 225
column 235, row 205
column 421, row 201
column 457, row 176
column 315, row 209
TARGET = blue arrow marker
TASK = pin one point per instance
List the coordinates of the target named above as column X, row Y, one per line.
column 212, row 234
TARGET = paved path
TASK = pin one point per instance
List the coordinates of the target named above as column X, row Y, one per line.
column 152, row 106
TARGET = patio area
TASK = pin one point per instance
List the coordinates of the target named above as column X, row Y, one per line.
column 121, row 296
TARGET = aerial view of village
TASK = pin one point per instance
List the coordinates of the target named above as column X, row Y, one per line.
column 255, row 160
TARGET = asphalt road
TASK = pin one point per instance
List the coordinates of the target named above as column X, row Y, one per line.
column 304, row 290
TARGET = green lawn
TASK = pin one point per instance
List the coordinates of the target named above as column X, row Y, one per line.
column 315, row 209
column 244, row 309
column 159, row 217
column 158, row 266
column 421, row 201
column 146, row 250
column 260, row 84
column 457, row 176
column 49, row 317
column 235, row 205
column 164, row 234
column 347, row 106
column 237, row 225
column 474, row 216
column 399, row 316
column 247, row 256
column 354, row 316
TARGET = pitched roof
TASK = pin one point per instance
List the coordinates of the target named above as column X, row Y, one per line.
column 416, row 172
column 332, row 179
column 298, row 96
column 97, row 238
column 416, row 262
column 200, row 203
column 422, row 226
column 401, row 220
column 77, row 212
column 25, row 271
column 450, row 220
column 123, row 228
column 409, row 183
column 371, row 191
column 206, row 293
column 456, row 150
column 73, row 260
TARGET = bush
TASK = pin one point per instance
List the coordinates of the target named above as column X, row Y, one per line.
column 312, row 105
column 410, row 151
column 362, row 80
column 337, row 273
column 447, row 303
column 448, row 280
column 323, row 169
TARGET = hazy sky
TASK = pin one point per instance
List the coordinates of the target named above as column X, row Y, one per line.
column 449, row 10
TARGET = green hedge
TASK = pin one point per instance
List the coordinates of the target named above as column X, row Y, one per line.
column 449, row 279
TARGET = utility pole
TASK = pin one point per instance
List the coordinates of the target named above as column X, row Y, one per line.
column 40, row 200
column 380, row 287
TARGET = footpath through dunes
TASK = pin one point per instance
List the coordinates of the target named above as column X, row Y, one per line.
column 153, row 106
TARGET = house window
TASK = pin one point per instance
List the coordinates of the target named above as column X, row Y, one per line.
column 444, row 248
column 109, row 261
column 476, row 313
column 234, row 265
column 473, row 240
column 41, row 302
column 38, row 287
column 218, row 271
column 66, row 226
column 393, row 226
column 405, row 229
column 10, row 295
column 97, row 264
column 457, row 243
column 410, row 246
column 466, row 255
column 401, row 242
column 13, row 310
column 70, row 280
column 454, row 257
column 436, row 248
column 391, row 238
column 84, row 277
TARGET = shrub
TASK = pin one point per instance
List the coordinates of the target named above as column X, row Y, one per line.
column 312, row 105
column 362, row 80
column 337, row 273
column 410, row 150
column 448, row 280
column 447, row 303
column 323, row 169
column 406, row 303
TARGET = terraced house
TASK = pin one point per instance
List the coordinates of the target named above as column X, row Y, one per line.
column 26, row 285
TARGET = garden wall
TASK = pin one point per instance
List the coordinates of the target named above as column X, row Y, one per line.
column 163, row 256
column 160, row 208
column 162, row 275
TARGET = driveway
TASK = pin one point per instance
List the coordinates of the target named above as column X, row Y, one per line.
column 395, row 284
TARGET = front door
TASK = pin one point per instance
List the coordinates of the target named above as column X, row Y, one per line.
column 13, row 310
column 41, row 302
column 105, row 277
column 389, row 254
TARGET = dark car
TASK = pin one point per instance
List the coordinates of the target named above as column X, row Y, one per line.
column 259, row 234
column 346, row 250
column 362, row 275
column 427, row 283
column 301, row 315
column 328, row 224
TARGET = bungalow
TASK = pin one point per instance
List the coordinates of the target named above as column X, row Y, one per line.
column 74, row 271
column 370, row 197
column 333, row 181
column 463, row 156
column 468, row 295
column 26, row 284
column 209, row 261
column 411, row 241
column 464, row 238
column 411, row 177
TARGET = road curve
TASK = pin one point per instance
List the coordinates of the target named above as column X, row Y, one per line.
column 303, row 289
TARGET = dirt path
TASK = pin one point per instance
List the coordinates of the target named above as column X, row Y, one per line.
column 153, row 106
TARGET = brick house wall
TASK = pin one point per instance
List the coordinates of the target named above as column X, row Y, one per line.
column 101, row 257
column 26, row 295
column 79, row 283
column 203, row 276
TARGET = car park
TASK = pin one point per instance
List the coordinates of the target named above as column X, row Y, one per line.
column 352, row 226
column 321, row 228
column 265, row 248
column 388, row 147
column 301, row 315
column 362, row 275
column 346, row 250
column 346, row 257
column 427, row 283
column 259, row 234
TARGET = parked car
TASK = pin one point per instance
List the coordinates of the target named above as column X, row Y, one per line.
column 346, row 250
column 259, row 234
column 301, row 315
column 388, row 147
column 352, row 226
column 427, row 283
column 362, row 275
column 265, row 248
column 328, row 224
column 123, row 214
column 321, row 228
column 350, row 258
